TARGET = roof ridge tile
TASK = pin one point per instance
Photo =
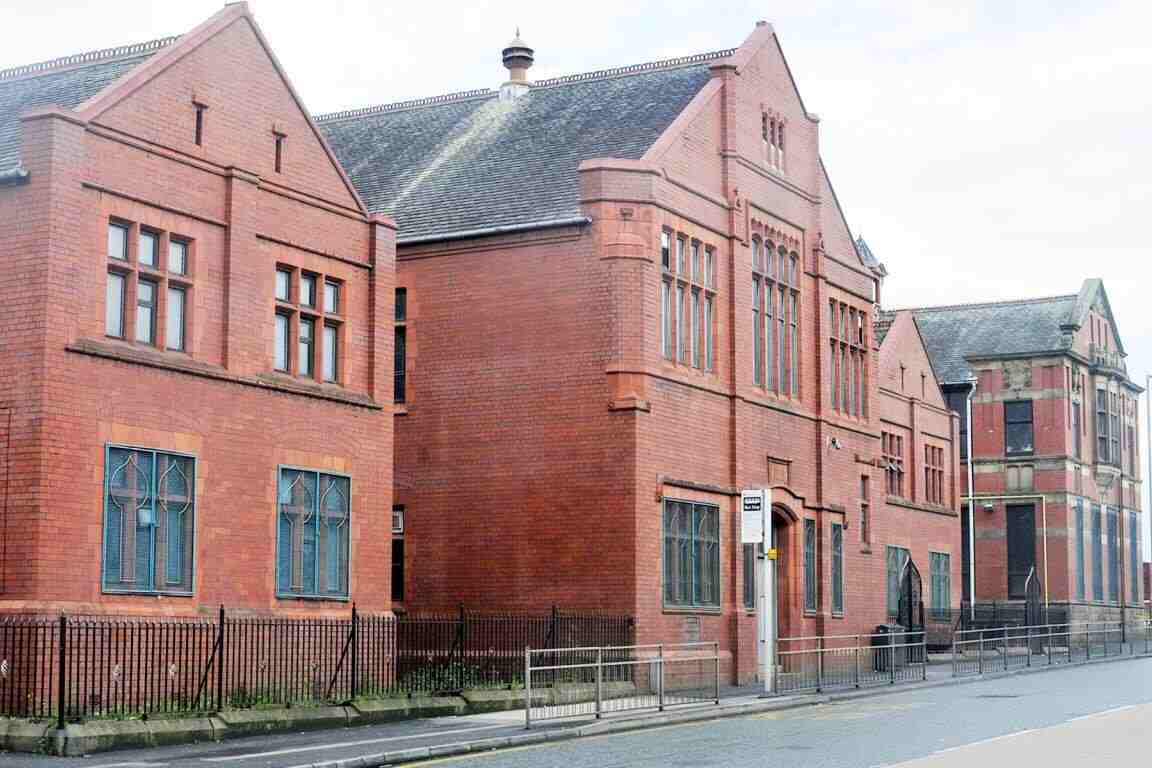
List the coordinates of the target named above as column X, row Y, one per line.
column 631, row 69
column 600, row 74
column 88, row 57
column 346, row 114
column 977, row 304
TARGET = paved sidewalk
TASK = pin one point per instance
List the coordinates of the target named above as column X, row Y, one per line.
column 408, row 741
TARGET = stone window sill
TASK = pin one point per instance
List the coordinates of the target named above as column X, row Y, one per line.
column 180, row 363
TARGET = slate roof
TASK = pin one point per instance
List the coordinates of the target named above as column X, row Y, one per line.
column 882, row 324
column 868, row 257
column 952, row 334
column 451, row 165
column 66, row 82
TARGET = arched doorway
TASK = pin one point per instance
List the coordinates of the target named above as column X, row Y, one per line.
column 783, row 537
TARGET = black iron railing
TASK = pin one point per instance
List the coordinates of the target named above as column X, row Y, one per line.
column 82, row 667
column 999, row 649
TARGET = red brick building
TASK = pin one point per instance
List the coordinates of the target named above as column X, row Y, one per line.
column 1057, row 467
column 196, row 374
column 623, row 296
column 919, row 463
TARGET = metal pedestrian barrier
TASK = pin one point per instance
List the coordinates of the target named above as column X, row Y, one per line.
column 599, row 681
column 822, row 662
column 999, row 649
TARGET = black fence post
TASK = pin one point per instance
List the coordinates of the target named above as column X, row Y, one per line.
column 355, row 642
column 456, row 672
column 61, row 688
column 220, row 662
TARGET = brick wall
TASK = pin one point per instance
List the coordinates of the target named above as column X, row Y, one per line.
column 545, row 428
column 513, row 473
column 80, row 391
column 1053, row 469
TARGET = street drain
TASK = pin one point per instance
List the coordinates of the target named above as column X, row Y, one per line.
column 998, row 696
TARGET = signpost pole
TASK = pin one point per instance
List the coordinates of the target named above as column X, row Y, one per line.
column 756, row 528
column 769, row 598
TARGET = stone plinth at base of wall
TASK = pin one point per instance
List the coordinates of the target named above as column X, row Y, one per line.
column 75, row 739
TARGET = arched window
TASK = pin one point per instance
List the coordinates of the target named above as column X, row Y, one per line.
column 775, row 318
column 334, row 533
column 780, row 145
column 772, row 139
column 758, row 285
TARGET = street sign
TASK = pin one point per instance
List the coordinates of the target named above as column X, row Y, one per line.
column 756, row 528
column 752, row 509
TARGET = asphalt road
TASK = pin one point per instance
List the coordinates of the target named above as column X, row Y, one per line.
column 1082, row 716
column 1073, row 716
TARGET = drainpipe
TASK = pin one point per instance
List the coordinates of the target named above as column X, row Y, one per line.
column 971, row 504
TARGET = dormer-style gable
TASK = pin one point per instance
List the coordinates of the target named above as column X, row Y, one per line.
column 185, row 98
column 1092, row 326
column 752, row 114
column 768, row 128
column 905, row 366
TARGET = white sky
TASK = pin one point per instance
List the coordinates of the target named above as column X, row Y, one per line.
column 985, row 150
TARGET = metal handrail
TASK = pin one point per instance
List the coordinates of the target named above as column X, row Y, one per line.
column 1019, row 627
column 840, row 648
column 657, row 660
column 652, row 646
column 845, row 637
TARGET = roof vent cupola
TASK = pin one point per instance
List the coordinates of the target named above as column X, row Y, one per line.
column 518, row 57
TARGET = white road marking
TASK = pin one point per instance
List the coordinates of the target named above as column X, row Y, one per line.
column 1101, row 714
column 131, row 765
column 984, row 741
column 342, row 744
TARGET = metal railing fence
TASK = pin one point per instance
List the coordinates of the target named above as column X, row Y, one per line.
column 596, row 681
column 849, row 661
column 72, row 668
column 992, row 614
column 981, row 651
column 449, row 652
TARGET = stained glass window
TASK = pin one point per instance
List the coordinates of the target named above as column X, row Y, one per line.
column 313, row 532
column 149, row 520
column 837, row 569
column 691, row 554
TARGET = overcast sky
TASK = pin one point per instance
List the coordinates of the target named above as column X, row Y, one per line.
column 985, row 150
